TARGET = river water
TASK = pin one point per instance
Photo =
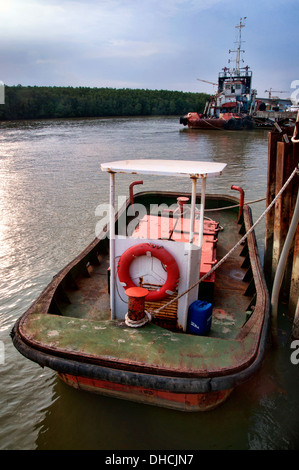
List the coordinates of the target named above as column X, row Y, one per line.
column 50, row 187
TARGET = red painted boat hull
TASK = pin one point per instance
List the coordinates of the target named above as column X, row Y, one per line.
column 163, row 398
column 228, row 121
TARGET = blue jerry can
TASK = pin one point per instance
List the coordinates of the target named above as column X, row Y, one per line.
column 200, row 317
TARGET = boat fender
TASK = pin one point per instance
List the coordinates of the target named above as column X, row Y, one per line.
column 159, row 252
column 230, row 124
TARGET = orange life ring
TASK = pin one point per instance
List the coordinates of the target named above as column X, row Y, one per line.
column 159, row 252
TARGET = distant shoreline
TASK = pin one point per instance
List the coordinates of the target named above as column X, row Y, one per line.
column 40, row 102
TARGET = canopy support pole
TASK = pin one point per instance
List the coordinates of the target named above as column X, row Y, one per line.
column 112, row 244
column 202, row 211
column 195, row 251
column 190, row 247
column 193, row 202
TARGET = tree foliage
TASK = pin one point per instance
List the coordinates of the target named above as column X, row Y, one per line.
column 32, row 102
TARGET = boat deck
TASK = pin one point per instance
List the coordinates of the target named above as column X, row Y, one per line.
column 91, row 299
column 79, row 324
column 112, row 343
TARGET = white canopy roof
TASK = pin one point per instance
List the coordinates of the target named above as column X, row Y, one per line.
column 184, row 168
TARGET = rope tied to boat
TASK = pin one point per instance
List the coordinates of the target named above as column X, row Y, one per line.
column 217, row 209
column 138, row 323
column 152, row 313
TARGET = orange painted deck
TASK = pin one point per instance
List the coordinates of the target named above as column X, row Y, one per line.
column 178, row 230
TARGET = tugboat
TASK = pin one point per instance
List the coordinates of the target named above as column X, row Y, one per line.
column 146, row 312
column 232, row 105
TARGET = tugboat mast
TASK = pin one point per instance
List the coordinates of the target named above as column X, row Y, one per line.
column 238, row 51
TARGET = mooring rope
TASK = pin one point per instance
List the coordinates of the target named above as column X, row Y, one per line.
column 138, row 323
column 152, row 313
column 214, row 127
column 236, row 205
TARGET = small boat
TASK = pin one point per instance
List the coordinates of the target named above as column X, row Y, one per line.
column 232, row 106
column 151, row 311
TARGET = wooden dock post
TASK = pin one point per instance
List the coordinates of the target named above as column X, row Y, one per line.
column 273, row 138
column 283, row 157
column 294, row 283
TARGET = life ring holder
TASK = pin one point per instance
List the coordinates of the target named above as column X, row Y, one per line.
column 159, row 252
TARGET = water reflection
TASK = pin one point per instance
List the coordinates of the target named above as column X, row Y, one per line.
column 244, row 152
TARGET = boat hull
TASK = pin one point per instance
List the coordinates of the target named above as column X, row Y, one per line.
column 230, row 121
column 149, row 396
column 182, row 393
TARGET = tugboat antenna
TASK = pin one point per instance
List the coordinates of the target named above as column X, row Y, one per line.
column 239, row 42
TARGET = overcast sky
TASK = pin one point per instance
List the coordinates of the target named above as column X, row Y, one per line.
column 150, row 44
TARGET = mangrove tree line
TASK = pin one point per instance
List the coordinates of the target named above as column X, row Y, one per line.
column 35, row 102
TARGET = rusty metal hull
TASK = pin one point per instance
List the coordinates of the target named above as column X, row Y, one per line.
column 68, row 328
column 163, row 398
column 230, row 121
